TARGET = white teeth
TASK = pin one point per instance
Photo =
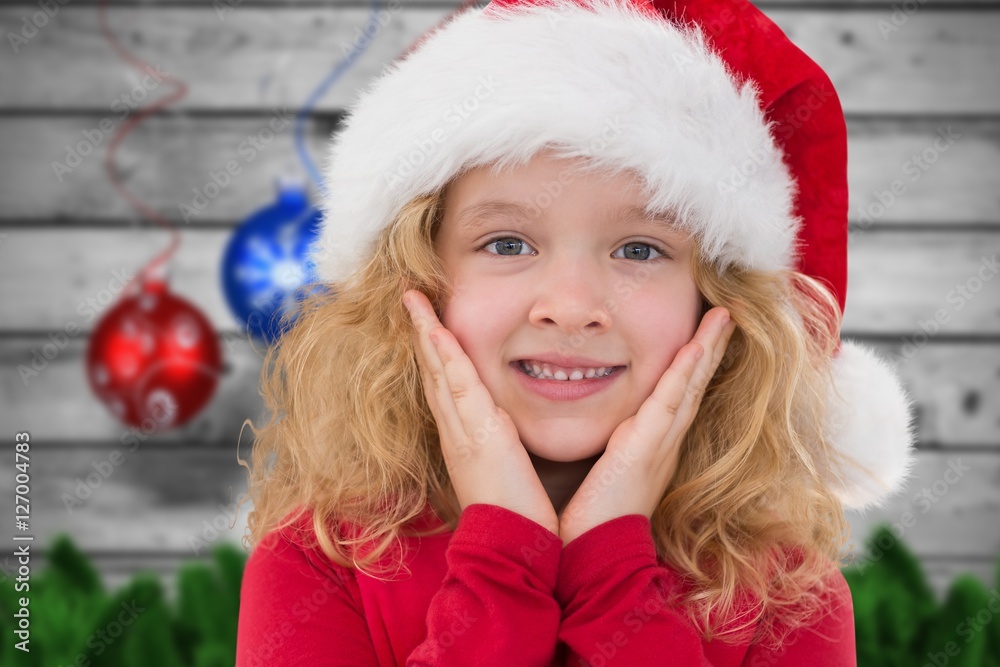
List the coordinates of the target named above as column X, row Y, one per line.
column 536, row 371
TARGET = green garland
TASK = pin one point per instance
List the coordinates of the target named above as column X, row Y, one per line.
column 898, row 623
column 75, row 622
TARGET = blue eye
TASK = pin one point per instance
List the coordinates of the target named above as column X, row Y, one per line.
column 644, row 255
column 515, row 245
column 509, row 243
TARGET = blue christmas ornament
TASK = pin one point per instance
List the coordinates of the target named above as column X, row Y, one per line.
column 265, row 267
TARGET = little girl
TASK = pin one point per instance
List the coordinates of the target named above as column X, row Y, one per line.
column 576, row 394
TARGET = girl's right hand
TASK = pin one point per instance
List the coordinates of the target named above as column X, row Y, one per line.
column 485, row 457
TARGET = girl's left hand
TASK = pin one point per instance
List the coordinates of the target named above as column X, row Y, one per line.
column 641, row 457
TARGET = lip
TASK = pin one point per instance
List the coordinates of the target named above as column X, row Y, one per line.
column 565, row 390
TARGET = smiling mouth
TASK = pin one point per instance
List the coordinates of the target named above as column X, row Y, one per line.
column 560, row 376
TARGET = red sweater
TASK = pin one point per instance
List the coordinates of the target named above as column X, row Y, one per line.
column 498, row 590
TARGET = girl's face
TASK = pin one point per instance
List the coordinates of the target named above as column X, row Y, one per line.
column 574, row 272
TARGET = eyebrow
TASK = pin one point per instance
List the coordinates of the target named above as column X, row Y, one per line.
column 476, row 216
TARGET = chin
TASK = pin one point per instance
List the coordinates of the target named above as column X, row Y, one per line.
column 563, row 452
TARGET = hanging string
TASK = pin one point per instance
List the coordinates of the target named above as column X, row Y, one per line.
column 318, row 93
column 337, row 72
column 154, row 271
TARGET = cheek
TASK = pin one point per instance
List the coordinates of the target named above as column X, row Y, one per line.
column 474, row 307
column 660, row 326
column 478, row 323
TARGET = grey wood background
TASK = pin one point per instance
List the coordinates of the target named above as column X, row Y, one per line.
column 62, row 241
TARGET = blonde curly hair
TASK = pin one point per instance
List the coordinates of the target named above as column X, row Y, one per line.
column 747, row 515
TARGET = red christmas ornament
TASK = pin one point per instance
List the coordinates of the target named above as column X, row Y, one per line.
column 154, row 359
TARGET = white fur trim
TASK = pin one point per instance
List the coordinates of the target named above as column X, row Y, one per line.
column 870, row 424
column 608, row 82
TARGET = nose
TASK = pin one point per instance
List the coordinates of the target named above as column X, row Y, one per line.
column 573, row 294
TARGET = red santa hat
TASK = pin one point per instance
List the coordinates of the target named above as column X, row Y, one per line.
column 730, row 125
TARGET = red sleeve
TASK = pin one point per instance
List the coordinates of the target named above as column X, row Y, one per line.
column 495, row 605
column 829, row 643
column 614, row 591
column 498, row 592
column 297, row 610
column 613, row 594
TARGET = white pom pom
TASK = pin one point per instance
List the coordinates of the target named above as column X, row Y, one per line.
column 870, row 422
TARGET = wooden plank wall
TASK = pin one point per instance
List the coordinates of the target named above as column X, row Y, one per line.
column 63, row 240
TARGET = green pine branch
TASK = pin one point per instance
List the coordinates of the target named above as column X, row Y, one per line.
column 74, row 621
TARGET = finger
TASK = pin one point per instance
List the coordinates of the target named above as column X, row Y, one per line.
column 435, row 376
column 470, row 399
column 425, row 376
column 465, row 407
column 661, row 409
column 707, row 365
column 427, row 382
column 476, row 410
column 673, row 402
column 712, row 335
column 701, row 377
column 426, row 358
column 719, row 341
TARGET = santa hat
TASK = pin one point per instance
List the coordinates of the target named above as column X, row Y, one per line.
column 730, row 125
